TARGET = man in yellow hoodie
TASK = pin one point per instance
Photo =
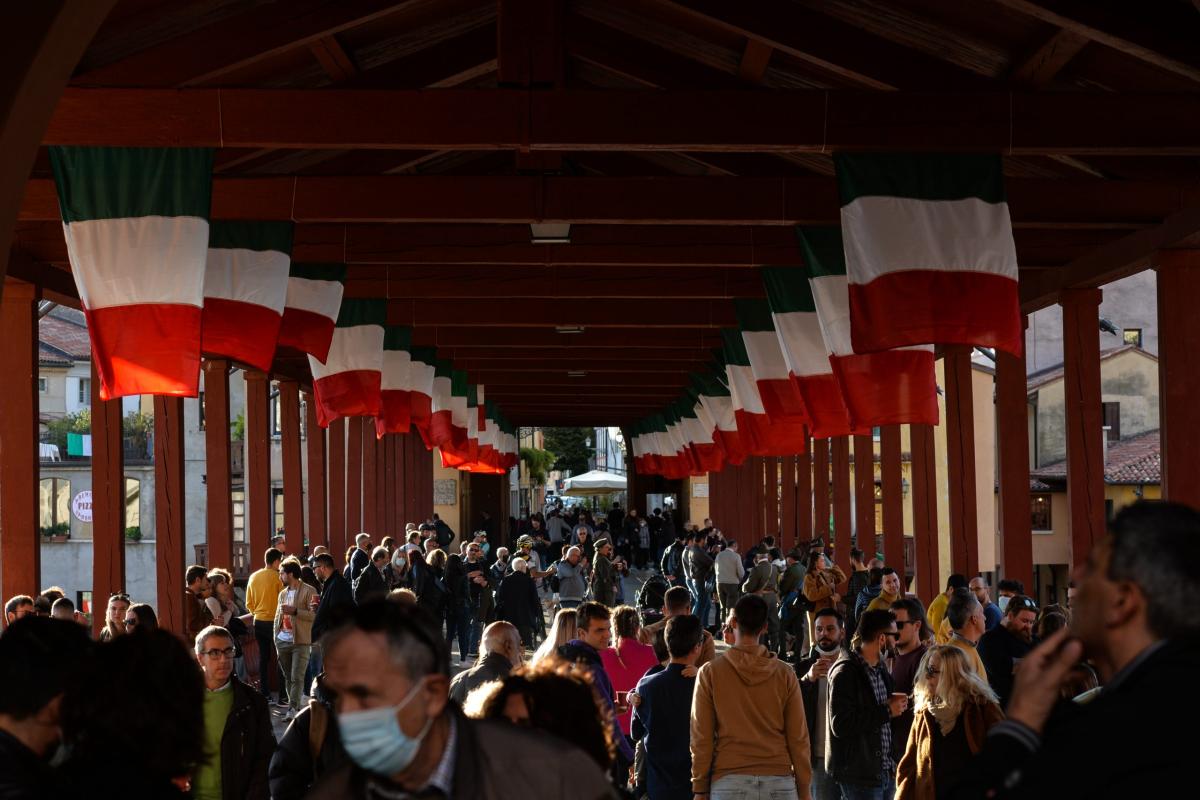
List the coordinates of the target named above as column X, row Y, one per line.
column 937, row 608
column 262, row 600
column 748, row 730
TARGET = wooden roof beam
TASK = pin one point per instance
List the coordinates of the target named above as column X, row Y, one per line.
column 635, row 314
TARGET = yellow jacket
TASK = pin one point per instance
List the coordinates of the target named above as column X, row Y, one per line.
column 937, row 610
column 262, row 594
column 972, row 654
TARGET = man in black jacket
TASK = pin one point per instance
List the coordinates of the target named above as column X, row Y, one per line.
column 862, row 752
column 517, row 600
column 501, row 652
column 337, row 598
column 1003, row 647
column 672, row 560
column 813, row 671
column 239, row 747
column 1134, row 616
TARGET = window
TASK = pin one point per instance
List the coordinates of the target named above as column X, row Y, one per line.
column 42, row 385
column 1112, row 420
column 276, row 417
column 201, row 411
column 277, row 505
column 85, row 391
column 1133, row 336
column 54, row 504
column 239, row 516
column 133, row 505
column 1040, row 512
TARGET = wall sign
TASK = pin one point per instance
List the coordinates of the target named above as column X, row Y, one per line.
column 700, row 489
column 445, row 492
column 81, row 506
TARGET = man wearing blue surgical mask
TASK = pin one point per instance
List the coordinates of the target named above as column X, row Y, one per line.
column 387, row 670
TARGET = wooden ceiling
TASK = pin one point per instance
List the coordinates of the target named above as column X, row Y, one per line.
column 682, row 140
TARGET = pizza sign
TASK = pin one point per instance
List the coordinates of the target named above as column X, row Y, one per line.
column 81, row 506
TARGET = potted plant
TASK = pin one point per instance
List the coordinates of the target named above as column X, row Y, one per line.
column 59, row 532
column 133, row 533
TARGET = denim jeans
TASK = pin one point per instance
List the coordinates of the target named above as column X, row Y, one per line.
column 754, row 787
column 823, row 787
column 885, row 790
column 702, row 603
column 293, row 660
column 458, row 625
column 264, row 635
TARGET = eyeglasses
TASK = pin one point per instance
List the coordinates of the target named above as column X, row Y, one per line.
column 131, row 622
column 216, row 654
column 892, row 634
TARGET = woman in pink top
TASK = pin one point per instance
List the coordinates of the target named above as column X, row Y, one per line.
column 627, row 662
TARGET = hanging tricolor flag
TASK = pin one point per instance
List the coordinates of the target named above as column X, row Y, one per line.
column 888, row 387
column 714, row 398
column 136, row 226
column 759, row 434
column 421, row 373
column 245, row 289
column 700, row 430
column 314, row 300
column 929, row 251
column 442, row 428
column 803, row 345
column 780, row 397
column 349, row 383
column 395, row 398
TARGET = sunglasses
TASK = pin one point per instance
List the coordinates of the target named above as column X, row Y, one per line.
column 131, row 622
column 891, row 634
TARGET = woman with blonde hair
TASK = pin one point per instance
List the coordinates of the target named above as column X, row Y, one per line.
column 561, row 632
column 954, row 710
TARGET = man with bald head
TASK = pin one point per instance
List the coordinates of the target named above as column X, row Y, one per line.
column 500, row 652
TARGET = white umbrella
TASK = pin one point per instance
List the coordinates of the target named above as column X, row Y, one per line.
column 593, row 483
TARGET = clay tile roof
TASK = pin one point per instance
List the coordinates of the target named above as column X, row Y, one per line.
column 1136, row 459
column 68, row 337
column 1042, row 377
column 53, row 357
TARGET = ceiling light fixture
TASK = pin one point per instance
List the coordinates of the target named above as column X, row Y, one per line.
column 550, row 232
column 568, row 329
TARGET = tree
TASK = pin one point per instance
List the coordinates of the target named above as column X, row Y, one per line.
column 570, row 444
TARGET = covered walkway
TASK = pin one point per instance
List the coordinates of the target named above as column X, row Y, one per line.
column 564, row 202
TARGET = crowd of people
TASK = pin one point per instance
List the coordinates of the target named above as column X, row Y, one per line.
column 827, row 682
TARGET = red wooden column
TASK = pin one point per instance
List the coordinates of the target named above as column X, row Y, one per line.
column 787, row 503
column 218, row 484
column 20, row 542
column 864, row 493
column 389, row 484
column 960, row 461
column 841, row 501
column 1085, row 439
column 337, row 489
column 423, row 465
column 293, row 475
column 354, row 479
column 260, row 511
column 170, row 535
column 1179, row 374
column 891, row 479
column 370, row 486
column 804, row 493
column 753, row 502
column 925, row 522
column 318, row 529
column 820, row 485
column 1012, row 444
column 404, row 514
column 381, row 516
column 771, row 525
column 108, row 502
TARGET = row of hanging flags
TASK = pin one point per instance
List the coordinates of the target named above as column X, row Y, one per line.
column 160, row 285
column 845, row 342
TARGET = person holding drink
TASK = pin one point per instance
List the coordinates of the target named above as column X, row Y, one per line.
column 813, row 671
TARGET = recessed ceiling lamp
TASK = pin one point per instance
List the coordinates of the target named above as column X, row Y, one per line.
column 568, row 329
column 576, row 373
column 550, row 232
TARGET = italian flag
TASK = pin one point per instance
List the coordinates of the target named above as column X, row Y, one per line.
column 714, row 399
column 760, row 435
column 780, row 397
column 245, row 290
column 794, row 312
column 888, row 387
column 136, row 227
column 422, row 374
column 448, row 422
column 348, row 383
column 930, row 256
column 395, row 382
column 314, row 300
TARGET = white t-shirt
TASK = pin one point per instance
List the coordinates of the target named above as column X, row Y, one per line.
column 286, row 632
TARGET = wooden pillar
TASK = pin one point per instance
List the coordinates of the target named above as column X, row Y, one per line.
column 318, row 528
column 960, row 461
column 170, row 534
column 381, row 445
column 787, row 503
column 755, row 497
column 293, row 475
column 370, row 485
column 820, row 484
column 108, row 502
column 1012, row 444
column 925, row 523
column 424, row 468
column 389, row 484
column 841, row 501
column 337, row 489
column 771, row 488
column 218, row 484
column 864, row 493
column 260, row 511
column 354, row 479
column 804, row 493
column 1085, row 439
column 891, row 479
column 1179, row 374
column 404, row 444
column 20, row 541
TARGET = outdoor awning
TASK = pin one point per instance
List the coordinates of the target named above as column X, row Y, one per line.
column 593, row 483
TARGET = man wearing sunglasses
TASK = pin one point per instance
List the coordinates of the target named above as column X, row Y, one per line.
column 238, row 740
column 1004, row 646
column 863, row 751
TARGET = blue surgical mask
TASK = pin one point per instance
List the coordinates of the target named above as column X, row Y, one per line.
column 375, row 741
column 1003, row 602
column 486, row 548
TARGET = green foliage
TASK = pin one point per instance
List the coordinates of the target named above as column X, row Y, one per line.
column 571, row 446
column 537, row 463
column 57, row 429
column 134, row 533
column 237, row 428
column 61, row 529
